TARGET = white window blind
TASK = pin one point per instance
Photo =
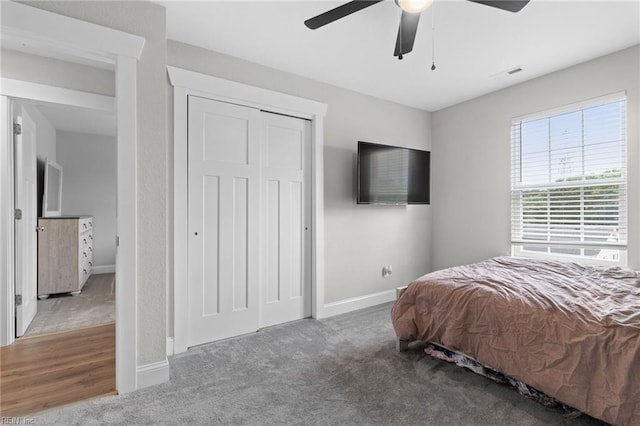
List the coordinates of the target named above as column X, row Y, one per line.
column 569, row 182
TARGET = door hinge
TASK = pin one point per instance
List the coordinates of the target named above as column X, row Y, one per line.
column 18, row 299
column 18, row 214
column 117, row 241
column 17, row 129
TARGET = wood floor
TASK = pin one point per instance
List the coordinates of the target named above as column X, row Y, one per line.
column 40, row 372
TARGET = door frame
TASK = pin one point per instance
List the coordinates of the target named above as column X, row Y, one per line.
column 187, row 83
column 49, row 34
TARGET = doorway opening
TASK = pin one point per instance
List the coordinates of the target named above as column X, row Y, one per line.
column 29, row 29
column 74, row 199
column 65, row 255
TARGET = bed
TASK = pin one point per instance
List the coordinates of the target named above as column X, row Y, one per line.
column 571, row 331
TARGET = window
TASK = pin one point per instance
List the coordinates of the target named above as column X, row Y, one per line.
column 569, row 182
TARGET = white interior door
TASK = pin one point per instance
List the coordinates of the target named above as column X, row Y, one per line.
column 286, row 250
column 224, row 181
column 26, row 286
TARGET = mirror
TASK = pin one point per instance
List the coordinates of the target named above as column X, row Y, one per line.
column 52, row 198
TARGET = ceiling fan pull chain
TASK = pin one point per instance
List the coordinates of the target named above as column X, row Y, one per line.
column 433, row 37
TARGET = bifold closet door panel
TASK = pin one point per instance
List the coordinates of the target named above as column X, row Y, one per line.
column 224, row 183
column 286, row 201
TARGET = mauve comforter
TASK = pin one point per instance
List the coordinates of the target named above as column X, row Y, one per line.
column 569, row 330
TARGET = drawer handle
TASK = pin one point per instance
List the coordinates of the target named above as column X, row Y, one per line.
column 84, row 240
column 84, row 253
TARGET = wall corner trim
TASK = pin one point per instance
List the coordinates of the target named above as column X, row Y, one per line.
column 152, row 374
column 356, row 303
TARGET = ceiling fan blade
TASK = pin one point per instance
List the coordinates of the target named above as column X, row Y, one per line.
column 508, row 5
column 339, row 12
column 406, row 33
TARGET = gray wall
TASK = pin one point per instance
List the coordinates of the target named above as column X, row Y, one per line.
column 89, row 187
column 145, row 19
column 471, row 151
column 53, row 72
column 359, row 239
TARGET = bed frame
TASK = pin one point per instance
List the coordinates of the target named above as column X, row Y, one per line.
column 401, row 345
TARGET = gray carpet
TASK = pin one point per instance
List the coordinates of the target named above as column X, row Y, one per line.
column 96, row 304
column 339, row 371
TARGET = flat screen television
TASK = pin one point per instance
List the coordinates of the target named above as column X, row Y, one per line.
column 392, row 175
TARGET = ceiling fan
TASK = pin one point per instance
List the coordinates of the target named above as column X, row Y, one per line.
column 408, row 20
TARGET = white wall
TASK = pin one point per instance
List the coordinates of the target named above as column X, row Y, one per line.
column 359, row 239
column 89, row 187
column 471, row 156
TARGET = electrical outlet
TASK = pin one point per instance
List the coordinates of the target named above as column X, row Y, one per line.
column 386, row 271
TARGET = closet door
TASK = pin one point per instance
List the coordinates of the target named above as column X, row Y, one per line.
column 286, row 253
column 224, row 182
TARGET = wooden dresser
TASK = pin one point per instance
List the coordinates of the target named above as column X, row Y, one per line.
column 65, row 254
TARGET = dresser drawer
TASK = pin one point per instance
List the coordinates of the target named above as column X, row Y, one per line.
column 83, row 275
column 85, row 224
column 84, row 254
column 86, row 240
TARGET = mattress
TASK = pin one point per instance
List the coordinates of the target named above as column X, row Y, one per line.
column 569, row 330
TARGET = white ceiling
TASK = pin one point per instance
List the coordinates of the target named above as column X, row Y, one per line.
column 474, row 44
column 78, row 120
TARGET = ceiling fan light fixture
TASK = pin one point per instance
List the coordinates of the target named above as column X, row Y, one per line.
column 414, row 6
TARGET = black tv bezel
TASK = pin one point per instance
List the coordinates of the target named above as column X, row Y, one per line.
column 358, row 174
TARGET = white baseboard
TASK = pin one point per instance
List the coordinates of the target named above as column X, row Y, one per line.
column 152, row 374
column 105, row 269
column 355, row 303
column 170, row 347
